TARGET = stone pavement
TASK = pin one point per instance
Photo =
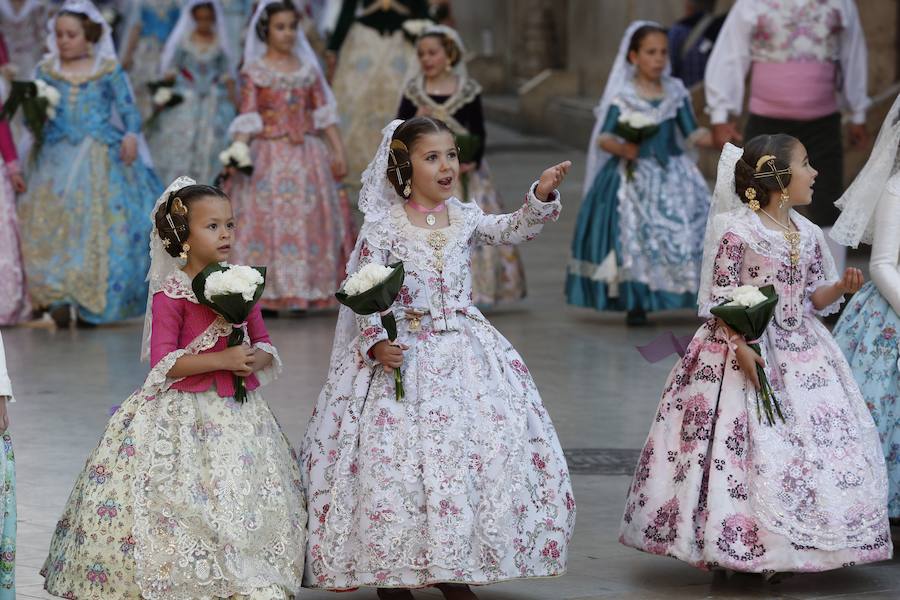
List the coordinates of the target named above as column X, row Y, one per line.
column 600, row 393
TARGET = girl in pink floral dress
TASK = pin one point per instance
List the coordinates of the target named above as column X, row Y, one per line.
column 716, row 486
column 462, row 481
column 292, row 218
column 13, row 297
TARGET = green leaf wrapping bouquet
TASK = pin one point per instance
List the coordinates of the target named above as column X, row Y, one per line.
column 231, row 291
column 38, row 101
column 748, row 313
column 371, row 290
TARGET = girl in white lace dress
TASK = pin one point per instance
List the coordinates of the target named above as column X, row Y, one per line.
column 189, row 493
column 463, row 481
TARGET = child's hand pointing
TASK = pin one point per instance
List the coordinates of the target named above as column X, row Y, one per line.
column 551, row 179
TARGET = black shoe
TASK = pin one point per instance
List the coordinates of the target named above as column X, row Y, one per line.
column 636, row 318
column 62, row 316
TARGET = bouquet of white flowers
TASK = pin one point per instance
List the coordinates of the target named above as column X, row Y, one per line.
column 163, row 97
column 39, row 101
column 635, row 127
column 749, row 312
column 236, row 156
column 231, row 291
column 371, row 290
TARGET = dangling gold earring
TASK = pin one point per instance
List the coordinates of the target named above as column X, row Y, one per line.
column 407, row 190
column 785, row 198
column 750, row 195
column 185, row 248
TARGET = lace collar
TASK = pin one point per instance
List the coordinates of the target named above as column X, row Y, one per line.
column 674, row 94
column 178, row 285
column 263, row 76
column 466, row 91
column 105, row 68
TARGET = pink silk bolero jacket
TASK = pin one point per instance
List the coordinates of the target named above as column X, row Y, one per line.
column 178, row 320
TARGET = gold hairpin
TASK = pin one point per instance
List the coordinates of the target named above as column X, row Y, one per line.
column 763, row 160
column 178, row 207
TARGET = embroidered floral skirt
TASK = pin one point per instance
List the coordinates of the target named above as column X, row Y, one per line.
column 188, row 495
column 7, row 519
column 14, row 305
column 714, row 487
column 85, row 225
column 292, row 219
column 498, row 276
column 371, row 72
column 868, row 333
column 463, row 480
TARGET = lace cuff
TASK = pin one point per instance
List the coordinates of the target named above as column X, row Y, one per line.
column 157, row 379
column 546, row 211
column 247, row 123
column 325, row 116
column 270, row 373
column 828, row 310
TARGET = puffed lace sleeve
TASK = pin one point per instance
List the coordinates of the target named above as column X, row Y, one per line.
column 816, row 277
column 726, row 272
column 520, row 226
column 249, row 122
column 370, row 329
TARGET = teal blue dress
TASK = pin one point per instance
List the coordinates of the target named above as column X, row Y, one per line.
column 85, row 220
column 638, row 241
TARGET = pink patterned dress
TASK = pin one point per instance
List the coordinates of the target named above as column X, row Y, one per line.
column 14, row 305
column 464, row 478
column 291, row 217
column 714, row 486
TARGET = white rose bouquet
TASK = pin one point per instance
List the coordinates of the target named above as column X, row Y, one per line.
column 38, row 100
column 748, row 313
column 635, row 127
column 163, row 97
column 236, row 156
column 231, row 291
column 371, row 290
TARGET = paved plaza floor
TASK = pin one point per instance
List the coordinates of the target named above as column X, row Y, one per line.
column 599, row 391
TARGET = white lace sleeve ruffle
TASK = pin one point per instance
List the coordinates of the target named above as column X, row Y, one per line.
column 270, row 373
column 247, row 123
column 828, row 310
column 325, row 116
column 158, row 379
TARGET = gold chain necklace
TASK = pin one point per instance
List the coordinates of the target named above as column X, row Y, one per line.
column 792, row 237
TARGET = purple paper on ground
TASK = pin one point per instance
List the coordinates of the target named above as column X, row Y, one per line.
column 664, row 346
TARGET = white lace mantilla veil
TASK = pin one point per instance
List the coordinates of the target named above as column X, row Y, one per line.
column 376, row 198
column 103, row 50
column 254, row 49
column 162, row 264
column 861, row 199
column 622, row 72
column 185, row 27
column 728, row 212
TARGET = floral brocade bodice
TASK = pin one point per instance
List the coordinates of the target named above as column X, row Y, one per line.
column 290, row 105
column 200, row 69
column 751, row 254
column 797, row 30
column 88, row 104
column 438, row 280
